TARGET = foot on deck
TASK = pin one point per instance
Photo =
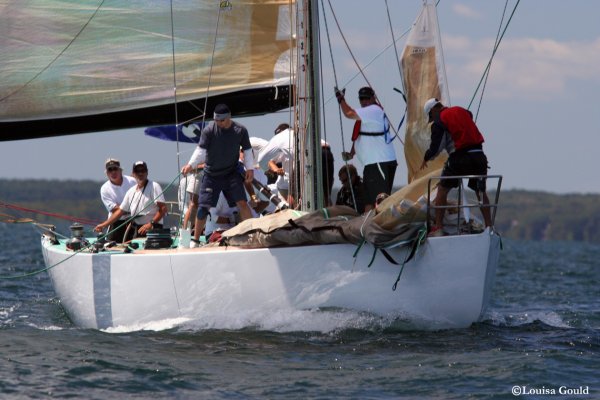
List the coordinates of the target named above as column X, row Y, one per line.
column 435, row 231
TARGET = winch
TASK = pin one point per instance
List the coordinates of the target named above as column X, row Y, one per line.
column 77, row 240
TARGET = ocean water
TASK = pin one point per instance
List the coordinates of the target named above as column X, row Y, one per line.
column 540, row 339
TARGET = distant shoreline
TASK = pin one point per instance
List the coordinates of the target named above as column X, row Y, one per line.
column 522, row 214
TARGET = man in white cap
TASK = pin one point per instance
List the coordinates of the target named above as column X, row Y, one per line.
column 219, row 149
column 112, row 193
column 454, row 130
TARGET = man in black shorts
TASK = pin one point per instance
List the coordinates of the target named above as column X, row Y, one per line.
column 454, row 130
column 219, row 149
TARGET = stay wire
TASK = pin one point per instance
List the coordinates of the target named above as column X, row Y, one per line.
column 339, row 109
column 361, row 70
column 487, row 68
column 488, row 74
column 393, row 39
column 175, row 85
column 223, row 5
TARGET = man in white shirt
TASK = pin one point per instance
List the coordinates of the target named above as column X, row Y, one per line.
column 112, row 193
column 145, row 200
column 279, row 149
column 371, row 144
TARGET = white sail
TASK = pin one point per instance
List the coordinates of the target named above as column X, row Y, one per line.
column 68, row 59
column 424, row 77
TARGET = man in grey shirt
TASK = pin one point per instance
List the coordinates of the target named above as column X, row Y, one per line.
column 219, row 149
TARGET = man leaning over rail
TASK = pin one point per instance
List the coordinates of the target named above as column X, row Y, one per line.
column 454, row 130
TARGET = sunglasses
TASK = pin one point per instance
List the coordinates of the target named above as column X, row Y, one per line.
column 140, row 171
column 113, row 169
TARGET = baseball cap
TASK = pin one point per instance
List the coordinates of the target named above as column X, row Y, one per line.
column 112, row 163
column 429, row 104
column 366, row 92
column 140, row 164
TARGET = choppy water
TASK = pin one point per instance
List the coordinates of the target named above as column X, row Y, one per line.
column 541, row 333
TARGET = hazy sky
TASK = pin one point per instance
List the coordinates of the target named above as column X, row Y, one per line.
column 537, row 114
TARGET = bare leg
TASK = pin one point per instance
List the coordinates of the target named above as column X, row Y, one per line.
column 244, row 208
column 192, row 210
column 441, row 199
column 200, row 223
column 485, row 210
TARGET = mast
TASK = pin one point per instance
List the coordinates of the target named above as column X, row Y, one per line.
column 308, row 116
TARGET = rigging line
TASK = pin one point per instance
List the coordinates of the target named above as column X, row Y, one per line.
column 393, row 39
column 49, row 214
column 488, row 74
column 494, row 53
column 339, row 109
column 175, row 85
column 361, row 70
column 175, row 106
column 39, row 271
column 438, row 40
column 150, row 203
column 328, row 184
column 291, row 72
column 222, row 5
column 57, row 56
column 374, row 59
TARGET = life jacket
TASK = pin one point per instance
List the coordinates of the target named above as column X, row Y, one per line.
column 386, row 124
column 459, row 122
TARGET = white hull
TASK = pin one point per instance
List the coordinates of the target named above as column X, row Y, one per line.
column 447, row 284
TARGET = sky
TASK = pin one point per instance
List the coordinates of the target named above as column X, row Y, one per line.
column 536, row 115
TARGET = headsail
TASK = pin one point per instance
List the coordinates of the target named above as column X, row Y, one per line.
column 423, row 78
column 74, row 66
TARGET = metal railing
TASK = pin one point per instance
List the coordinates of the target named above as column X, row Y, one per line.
column 493, row 205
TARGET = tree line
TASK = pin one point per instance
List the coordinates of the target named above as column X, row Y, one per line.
column 522, row 215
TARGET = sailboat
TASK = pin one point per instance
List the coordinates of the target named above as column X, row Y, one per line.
column 258, row 57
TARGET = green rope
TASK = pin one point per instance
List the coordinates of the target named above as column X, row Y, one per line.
column 421, row 236
column 358, row 248
column 373, row 257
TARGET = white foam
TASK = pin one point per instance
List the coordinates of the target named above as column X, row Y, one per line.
column 550, row 318
column 287, row 320
column 156, row 326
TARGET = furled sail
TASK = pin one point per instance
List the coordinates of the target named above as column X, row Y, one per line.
column 423, row 78
column 80, row 65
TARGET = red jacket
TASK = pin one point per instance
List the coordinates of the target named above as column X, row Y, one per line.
column 459, row 122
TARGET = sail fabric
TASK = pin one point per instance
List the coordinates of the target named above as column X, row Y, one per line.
column 423, row 74
column 65, row 59
column 180, row 133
